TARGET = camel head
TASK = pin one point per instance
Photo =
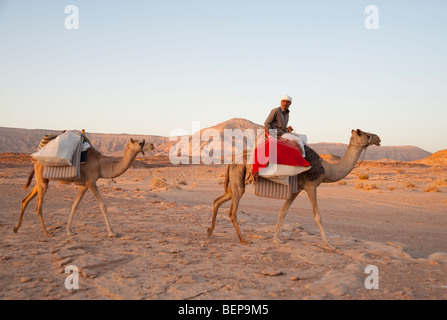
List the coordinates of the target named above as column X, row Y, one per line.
column 139, row 146
column 364, row 139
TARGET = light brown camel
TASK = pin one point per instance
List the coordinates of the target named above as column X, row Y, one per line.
column 96, row 166
column 235, row 184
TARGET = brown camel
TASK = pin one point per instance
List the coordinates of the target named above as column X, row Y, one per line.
column 97, row 166
column 235, row 184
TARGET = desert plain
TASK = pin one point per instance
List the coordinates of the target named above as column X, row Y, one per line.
column 391, row 215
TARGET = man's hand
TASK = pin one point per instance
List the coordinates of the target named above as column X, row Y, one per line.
column 289, row 129
column 296, row 144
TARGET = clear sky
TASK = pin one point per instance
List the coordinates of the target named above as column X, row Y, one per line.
column 149, row 67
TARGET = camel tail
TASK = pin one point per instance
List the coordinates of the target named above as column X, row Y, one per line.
column 227, row 178
column 30, row 178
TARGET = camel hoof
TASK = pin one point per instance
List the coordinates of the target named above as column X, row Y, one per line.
column 278, row 241
column 243, row 241
column 16, row 229
column 210, row 231
column 70, row 234
column 330, row 246
column 113, row 234
column 48, row 235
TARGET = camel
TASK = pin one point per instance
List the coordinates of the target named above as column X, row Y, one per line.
column 235, row 185
column 97, row 166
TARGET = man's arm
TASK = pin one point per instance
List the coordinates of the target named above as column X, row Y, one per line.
column 270, row 119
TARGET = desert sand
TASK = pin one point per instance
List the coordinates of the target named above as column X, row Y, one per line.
column 387, row 214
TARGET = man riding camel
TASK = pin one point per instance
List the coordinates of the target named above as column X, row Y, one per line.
column 278, row 120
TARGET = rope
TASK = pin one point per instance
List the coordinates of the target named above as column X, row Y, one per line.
column 359, row 163
column 111, row 179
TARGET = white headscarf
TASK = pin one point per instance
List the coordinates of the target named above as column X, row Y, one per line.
column 288, row 98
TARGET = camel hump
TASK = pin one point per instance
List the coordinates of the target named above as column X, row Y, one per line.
column 316, row 168
column 47, row 138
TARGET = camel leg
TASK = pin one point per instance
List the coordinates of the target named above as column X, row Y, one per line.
column 25, row 202
column 41, row 190
column 98, row 197
column 312, row 193
column 78, row 199
column 282, row 214
column 236, row 196
column 216, row 204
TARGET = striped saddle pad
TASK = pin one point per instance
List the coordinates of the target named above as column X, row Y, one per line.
column 68, row 172
column 268, row 189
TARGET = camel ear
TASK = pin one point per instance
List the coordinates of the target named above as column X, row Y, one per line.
column 359, row 132
column 131, row 140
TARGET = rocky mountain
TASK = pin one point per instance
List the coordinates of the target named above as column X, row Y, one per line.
column 397, row 153
column 438, row 158
column 26, row 141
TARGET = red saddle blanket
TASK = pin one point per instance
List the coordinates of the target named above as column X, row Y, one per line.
column 286, row 153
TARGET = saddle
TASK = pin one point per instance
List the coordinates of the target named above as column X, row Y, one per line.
column 268, row 188
column 62, row 154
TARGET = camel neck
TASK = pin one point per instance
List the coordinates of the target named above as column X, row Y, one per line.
column 339, row 170
column 112, row 168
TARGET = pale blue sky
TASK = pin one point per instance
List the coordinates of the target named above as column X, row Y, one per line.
column 149, row 67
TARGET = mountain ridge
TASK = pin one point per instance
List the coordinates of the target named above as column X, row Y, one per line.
column 20, row 140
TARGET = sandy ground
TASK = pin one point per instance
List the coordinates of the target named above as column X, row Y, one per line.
column 163, row 252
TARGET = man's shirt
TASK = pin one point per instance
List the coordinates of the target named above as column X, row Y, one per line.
column 278, row 119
